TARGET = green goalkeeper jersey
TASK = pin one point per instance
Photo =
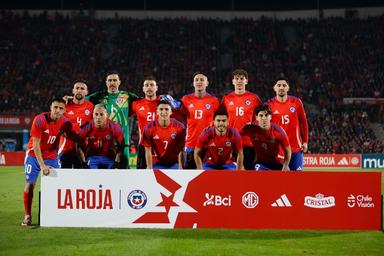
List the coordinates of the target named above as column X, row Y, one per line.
column 118, row 106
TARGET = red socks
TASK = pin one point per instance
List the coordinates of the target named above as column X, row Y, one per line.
column 28, row 196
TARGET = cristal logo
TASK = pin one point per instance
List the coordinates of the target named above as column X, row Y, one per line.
column 360, row 201
column 250, row 200
column 319, row 201
column 216, row 200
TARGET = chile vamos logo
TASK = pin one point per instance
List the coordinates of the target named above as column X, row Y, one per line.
column 137, row 199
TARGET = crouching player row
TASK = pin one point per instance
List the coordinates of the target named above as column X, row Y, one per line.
column 46, row 130
column 220, row 144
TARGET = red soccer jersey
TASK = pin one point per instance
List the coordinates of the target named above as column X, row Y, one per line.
column 78, row 114
column 241, row 111
column 290, row 115
column 49, row 132
column 219, row 148
column 199, row 112
column 266, row 143
column 101, row 142
column 145, row 111
column 166, row 142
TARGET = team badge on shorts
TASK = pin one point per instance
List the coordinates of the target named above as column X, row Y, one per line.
column 207, row 106
column 228, row 143
column 173, row 135
column 87, row 112
column 107, row 137
column 292, row 109
column 137, row 199
column 247, row 102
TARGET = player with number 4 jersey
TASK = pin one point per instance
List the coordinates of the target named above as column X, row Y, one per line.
column 79, row 112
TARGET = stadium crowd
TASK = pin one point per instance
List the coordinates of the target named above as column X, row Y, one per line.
column 325, row 61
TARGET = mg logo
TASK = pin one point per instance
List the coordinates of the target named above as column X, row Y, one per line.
column 250, row 200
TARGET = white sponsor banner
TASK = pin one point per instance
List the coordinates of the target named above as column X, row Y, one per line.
column 113, row 198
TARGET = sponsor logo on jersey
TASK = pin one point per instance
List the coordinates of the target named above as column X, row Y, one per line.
column 248, row 102
column 228, row 144
column 137, row 199
column 173, row 135
column 141, row 109
column 191, row 106
column 70, row 112
column 282, row 201
column 292, row 109
column 156, row 137
column 87, row 112
column 207, row 106
column 276, row 112
column 319, row 201
column 212, row 144
column 230, row 103
column 217, row 200
column 250, row 200
column 46, row 131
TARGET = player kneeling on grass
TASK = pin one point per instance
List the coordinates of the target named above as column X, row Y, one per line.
column 163, row 140
column 100, row 136
column 266, row 139
column 219, row 143
column 42, row 149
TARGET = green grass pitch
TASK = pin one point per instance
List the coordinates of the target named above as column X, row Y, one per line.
column 35, row 240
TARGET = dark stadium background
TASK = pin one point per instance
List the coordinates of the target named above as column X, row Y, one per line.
column 227, row 5
column 336, row 128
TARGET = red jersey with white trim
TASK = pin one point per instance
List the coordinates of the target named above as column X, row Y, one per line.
column 290, row 115
column 101, row 142
column 241, row 111
column 166, row 142
column 78, row 114
column 145, row 111
column 49, row 132
column 266, row 143
column 219, row 148
column 199, row 112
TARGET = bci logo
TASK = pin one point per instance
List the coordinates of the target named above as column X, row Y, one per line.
column 217, row 200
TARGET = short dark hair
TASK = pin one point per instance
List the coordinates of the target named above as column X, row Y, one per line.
column 282, row 78
column 199, row 73
column 263, row 107
column 220, row 112
column 59, row 100
column 240, row 72
column 113, row 72
column 163, row 102
column 80, row 80
column 150, row 77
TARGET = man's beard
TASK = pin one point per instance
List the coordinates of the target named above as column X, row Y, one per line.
column 79, row 96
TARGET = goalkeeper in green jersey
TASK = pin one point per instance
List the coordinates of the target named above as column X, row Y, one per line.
column 118, row 104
